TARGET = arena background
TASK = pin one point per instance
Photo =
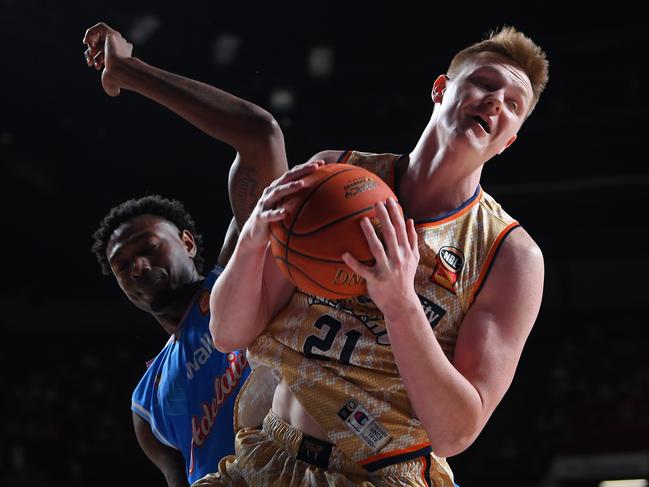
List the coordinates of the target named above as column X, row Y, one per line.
column 336, row 75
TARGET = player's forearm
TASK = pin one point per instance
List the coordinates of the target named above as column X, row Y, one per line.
column 448, row 405
column 176, row 476
column 169, row 460
column 239, row 123
column 236, row 301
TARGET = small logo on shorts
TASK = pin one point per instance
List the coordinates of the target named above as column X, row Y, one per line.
column 364, row 425
column 449, row 264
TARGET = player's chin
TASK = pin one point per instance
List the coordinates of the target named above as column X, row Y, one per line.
column 162, row 299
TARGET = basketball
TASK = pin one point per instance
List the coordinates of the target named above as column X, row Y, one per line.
column 322, row 223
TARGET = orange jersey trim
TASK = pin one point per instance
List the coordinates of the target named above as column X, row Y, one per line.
column 492, row 253
column 344, row 158
column 454, row 216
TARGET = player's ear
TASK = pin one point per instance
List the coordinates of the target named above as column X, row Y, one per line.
column 508, row 143
column 439, row 86
column 189, row 242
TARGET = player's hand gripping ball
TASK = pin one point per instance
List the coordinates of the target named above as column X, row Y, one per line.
column 323, row 223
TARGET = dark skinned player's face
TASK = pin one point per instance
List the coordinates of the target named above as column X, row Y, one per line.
column 151, row 259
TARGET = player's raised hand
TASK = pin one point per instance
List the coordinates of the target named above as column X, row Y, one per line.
column 106, row 49
column 390, row 281
column 257, row 228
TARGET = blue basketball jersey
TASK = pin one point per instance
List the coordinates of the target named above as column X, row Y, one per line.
column 188, row 392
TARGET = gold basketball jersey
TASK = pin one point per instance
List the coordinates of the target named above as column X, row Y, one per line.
column 336, row 357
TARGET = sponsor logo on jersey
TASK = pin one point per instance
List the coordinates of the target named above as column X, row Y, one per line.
column 359, row 185
column 204, row 302
column 448, row 265
column 201, row 355
column 224, row 387
column 433, row 312
column 363, row 309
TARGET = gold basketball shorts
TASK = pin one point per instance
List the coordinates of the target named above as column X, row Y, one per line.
column 279, row 455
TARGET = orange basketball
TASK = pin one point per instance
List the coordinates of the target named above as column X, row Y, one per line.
column 322, row 224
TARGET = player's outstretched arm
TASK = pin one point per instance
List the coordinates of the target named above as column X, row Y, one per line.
column 251, row 130
column 170, row 462
column 252, row 289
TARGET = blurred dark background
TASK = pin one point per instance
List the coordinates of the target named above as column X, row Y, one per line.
column 336, row 75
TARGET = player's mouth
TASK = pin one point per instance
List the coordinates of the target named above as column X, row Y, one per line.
column 482, row 122
column 152, row 279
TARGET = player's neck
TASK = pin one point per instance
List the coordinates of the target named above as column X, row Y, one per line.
column 434, row 179
column 172, row 317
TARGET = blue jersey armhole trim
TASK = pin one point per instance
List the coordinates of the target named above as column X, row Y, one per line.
column 143, row 413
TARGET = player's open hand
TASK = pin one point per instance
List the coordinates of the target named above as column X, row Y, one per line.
column 257, row 228
column 106, row 50
column 390, row 280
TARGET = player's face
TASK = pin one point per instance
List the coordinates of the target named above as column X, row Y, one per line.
column 485, row 104
column 151, row 260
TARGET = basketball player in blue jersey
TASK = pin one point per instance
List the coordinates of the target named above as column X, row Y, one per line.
column 183, row 405
column 457, row 285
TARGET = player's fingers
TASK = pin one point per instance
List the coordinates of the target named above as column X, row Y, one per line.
column 375, row 245
column 273, row 215
column 300, row 171
column 413, row 239
column 397, row 220
column 364, row 271
column 387, row 229
column 93, row 35
column 88, row 57
column 281, row 191
column 98, row 60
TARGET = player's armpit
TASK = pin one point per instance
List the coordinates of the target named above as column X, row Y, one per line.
column 496, row 326
column 170, row 461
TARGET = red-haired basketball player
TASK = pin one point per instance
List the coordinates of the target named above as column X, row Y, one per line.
column 457, row 288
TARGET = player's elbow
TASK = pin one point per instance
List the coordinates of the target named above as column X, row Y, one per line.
column 459, row 436
column 450, row 447
column 266, row 128
column 221, row 340
column 225, row 340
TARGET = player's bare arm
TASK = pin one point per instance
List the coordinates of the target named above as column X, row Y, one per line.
column 251, row 130
column 252, row 288
column 453, row 400
column 248, row 128
column 170, row 461
column 328, row 156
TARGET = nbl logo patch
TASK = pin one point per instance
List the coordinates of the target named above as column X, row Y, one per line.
column 449, row 264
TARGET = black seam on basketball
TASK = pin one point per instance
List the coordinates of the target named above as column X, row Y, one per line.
column 272, row 234
column 297, row 213
column 313, row 257
column 346, row 217
column 289, row 265
column 313, row 190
